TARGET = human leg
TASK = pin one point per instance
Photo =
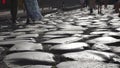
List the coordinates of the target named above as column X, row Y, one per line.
column 13, row 10
column 33, row 10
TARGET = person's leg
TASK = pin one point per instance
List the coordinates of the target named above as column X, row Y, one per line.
column 13, row 10
column 33, row 10
column 106, row 3
column 91, row 6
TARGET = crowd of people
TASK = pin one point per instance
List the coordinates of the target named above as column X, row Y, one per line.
column 34, row 13
column 92, row 5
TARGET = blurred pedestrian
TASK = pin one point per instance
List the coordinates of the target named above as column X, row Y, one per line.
column 92, row 5
column 106, row 3
column 119, row 8
column 33, row 11
column 116, row 6
column 13, row 10
column 100, row 3
column 82, row 4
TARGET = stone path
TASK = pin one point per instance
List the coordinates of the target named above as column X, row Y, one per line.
column 71, row 39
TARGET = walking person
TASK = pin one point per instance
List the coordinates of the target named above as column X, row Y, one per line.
column 100, row 3
column 119, row 8
column 13, row 11
column 33, row 11
column 92, row 5
column 106, row 3
column 82, row 4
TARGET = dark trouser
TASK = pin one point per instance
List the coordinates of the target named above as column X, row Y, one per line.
column 13, row 9
column 33, row 10
column 91, row 10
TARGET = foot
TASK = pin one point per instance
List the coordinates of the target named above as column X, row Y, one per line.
column 119, row 15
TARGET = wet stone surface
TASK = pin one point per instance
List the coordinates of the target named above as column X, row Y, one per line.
column 70, row 39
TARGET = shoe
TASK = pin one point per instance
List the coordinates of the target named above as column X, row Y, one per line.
column 119, row 15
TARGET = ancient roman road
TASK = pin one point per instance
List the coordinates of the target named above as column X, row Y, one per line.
column 71, row 39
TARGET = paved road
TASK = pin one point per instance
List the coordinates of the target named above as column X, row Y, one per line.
column 72, row 39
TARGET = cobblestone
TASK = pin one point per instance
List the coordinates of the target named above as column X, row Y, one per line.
column 71, row 39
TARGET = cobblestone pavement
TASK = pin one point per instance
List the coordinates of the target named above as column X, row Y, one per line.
column 72, row 39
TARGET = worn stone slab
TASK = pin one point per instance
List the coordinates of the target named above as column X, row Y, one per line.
column 90, row 55
column 34, row 66
column 40, row 30
column 104, row 40
column 33, row 26
column 63, row 40
column 2, row 37
column 48, row 26
column 1, row 50
column 71, row 27
column 102, row 47
column 99, row 32
column 28, row 58
column 118, row 28
column 12, row 42
column 17, row 33
column 54, row 36
column 39, row 66
column 64, row 32
column 115, row 49
column 86, row 64
column 26, row 46
column 58, row 21
column 4, row 33
column 25, row 30
column 70, row 46
column 28, row 36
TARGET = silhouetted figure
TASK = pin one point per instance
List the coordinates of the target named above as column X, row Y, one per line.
column 82, row 4
column 117, row 6
column 91, row 4
column 100, row 3
column 33, row 11
column 13, row 10
column 86, row 3
column 106, row 3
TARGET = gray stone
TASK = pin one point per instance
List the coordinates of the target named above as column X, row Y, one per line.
column 1, row 50
column 38, row 31
column 33, row 26
column 4, row 33
column 90, row 55
column 17, row 33
column 70, row 46
column 86, row 64
column 99, row 32
column 63, row 40
column 69, row 20
column 118, row 29
column 28, row 36
column 102, row 47
column 28, row 58
column 24, row 46
column 70, row 27
column 39, row 66
column 2, row 37
column 12, row 42
column 64, row 32
column 54, row 36
column 48, row 26
column 33, row 66
column 104, row 40
column 58, row 21
column 115, row 49
column 25, row 30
